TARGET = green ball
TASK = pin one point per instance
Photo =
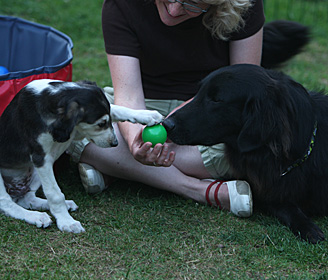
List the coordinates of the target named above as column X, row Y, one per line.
column 154, row 134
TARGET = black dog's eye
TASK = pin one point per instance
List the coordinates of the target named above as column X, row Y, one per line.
column 214, row 96
column 102, row 124
column 218, row 100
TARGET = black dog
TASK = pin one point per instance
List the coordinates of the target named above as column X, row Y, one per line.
column 276, row 138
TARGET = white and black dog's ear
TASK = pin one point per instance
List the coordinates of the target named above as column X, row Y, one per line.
column 68, row 116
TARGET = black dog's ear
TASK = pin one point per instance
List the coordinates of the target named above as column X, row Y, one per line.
column 248, row 139
column 68, row 116
column 266, row 123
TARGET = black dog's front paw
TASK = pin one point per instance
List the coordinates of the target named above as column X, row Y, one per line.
column 308, row 231
column 300, row 224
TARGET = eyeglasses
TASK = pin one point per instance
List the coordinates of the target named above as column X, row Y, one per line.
column 190, row 7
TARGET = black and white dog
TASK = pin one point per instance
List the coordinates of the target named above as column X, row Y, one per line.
column 276, row 137
column 36, row 128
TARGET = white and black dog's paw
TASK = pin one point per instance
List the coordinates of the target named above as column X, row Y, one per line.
column 147, row 117
column 121, row 114
column 40, row 219
column 68, row 224
column 71, row 205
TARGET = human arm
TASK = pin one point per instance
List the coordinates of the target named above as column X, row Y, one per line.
column 248, row 50
column 126, row 78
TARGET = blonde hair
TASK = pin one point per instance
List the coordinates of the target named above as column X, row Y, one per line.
column 225, row 16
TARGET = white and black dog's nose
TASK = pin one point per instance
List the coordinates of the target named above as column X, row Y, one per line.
column 114, row 142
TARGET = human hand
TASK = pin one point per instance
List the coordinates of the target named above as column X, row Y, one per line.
column 157, row 156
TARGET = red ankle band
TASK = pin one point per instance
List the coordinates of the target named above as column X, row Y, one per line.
column 215, row 193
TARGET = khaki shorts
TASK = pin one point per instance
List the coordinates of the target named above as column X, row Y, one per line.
column 213, row 156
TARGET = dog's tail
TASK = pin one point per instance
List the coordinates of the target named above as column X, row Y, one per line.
column 282, row 40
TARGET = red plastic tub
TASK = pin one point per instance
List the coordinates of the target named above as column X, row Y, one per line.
column 31, row 51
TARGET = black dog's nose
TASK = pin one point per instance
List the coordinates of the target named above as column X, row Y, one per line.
column 168, row 124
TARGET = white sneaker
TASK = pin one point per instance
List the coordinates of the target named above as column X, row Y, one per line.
column 91, row 179
column 241, row 201
column 76, row 148
column 240, row 195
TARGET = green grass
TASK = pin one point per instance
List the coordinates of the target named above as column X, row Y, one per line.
column 137, row 232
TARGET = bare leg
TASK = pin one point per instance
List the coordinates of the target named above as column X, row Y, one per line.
column 183, row 178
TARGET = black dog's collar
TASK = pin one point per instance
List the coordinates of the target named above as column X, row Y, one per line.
column 307, row 154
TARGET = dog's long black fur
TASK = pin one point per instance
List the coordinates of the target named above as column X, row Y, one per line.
column 267, row 122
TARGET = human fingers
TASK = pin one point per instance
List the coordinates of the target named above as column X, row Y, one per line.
column 164, row 157
column 143, row 152
column 159, row 155
column 138, row 142
column 169, row 160
column 139, row 149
